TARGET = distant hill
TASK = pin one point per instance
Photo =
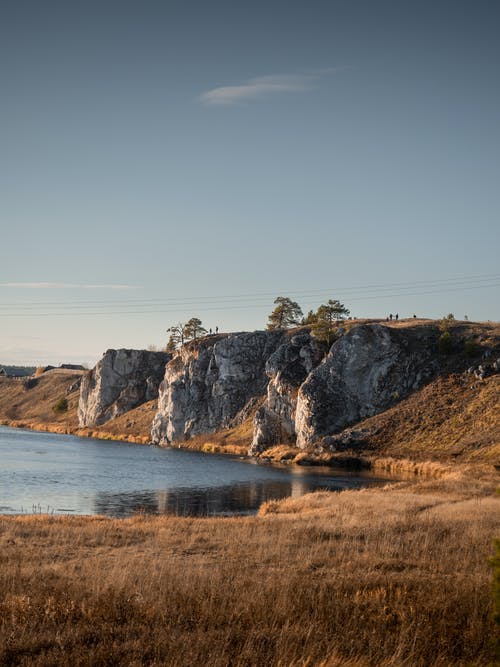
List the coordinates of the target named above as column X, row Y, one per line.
column 17, row 371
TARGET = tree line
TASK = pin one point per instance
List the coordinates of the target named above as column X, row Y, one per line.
column 286, row 314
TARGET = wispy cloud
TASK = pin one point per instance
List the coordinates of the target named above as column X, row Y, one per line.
column 263, row 86
column 41, row 285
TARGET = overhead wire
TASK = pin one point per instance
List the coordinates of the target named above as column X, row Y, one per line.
column 351, row 293
column 182, row 307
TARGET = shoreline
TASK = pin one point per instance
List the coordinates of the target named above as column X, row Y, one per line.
column 288, row 455
column 63, row 429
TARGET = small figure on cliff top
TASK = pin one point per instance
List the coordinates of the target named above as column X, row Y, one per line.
column 390, row 316
column 397, row 317
column 216, row 330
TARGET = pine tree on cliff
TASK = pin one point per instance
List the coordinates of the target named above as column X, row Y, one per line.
column 193, row 328
column 328, row 316
column 287, row 314
column 310, row 318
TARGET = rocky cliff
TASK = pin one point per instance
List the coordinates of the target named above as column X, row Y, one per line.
column 281, row 377
column 213, row 384
column 287, row 369
column 282, row 380
column 366, row 371
column 120, row 381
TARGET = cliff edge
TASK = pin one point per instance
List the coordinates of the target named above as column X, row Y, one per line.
column 120, row 381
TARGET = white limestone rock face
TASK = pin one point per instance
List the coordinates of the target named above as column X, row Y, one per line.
column 212, row 383
column 366, row 371
column 120, row 381
column 287, row 369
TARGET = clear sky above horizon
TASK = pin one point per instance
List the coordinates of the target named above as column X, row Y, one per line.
column 163, row 160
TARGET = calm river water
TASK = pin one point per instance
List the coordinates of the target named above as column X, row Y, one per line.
column 62, row 474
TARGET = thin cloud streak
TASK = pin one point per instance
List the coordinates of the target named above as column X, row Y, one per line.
column 42, row 285
column 263, row 86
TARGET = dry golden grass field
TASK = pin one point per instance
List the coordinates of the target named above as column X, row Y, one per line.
column 382, row 577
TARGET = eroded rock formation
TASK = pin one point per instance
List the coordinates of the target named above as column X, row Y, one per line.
column 219, row 381
column 287, row 369
column 212, row 383
column 120, row 381
column 366, row 371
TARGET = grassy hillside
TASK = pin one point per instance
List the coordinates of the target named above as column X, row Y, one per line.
column 31, row 401
column 450, row 418
column 30, row 404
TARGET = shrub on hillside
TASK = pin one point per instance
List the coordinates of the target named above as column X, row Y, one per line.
column 445, row 343
column 445, row 323
column 61, row 405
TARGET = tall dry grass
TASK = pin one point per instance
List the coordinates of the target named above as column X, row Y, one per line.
column 379, row 577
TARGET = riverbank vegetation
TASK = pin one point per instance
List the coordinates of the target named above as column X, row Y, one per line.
column 390, row 576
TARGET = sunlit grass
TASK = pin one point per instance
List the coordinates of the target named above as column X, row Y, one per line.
column 393, row 576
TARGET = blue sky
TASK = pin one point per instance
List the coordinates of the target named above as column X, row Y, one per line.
column 162, row 160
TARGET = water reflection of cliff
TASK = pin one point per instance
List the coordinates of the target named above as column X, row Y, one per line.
column 213, row 501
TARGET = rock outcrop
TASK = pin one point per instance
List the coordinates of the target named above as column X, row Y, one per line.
column 366, row 371
column 120, row 381
column 280, row 379
column 213, row 384
column 287, row 369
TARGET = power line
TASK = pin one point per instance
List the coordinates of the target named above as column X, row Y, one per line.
column 232, row 306
column 408, row 284
column 368, row 291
